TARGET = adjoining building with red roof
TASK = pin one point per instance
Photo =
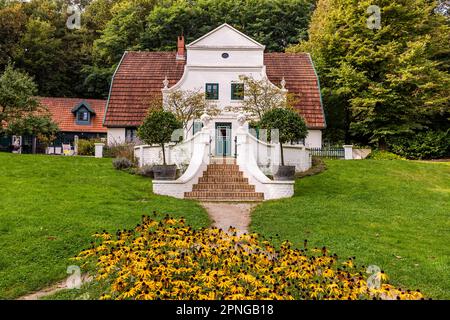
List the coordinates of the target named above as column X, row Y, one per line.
column 74, row 117
column 213, row 63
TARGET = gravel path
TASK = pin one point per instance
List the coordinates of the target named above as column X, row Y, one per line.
column 61, row 285
column 226, row 214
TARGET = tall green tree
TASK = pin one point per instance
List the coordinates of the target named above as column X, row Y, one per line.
column 275, row 23
column 35, row 37
column 41, row 52
column 20, row 112
column 380, row 82
column 12, row 27
column 122, row 31
column 17, row 90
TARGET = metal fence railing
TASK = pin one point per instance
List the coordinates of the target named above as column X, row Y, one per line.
column 328, row 152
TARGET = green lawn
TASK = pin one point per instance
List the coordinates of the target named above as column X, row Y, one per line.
column 50, row 206
column 394, row 214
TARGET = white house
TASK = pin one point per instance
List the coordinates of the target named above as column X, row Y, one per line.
column 215, row 63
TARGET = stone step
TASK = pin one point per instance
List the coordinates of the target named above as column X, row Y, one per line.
column 223, row 167
column 221, row 160
column 222, row 179
column 210, row 173
column 210, row 195
column 225, row 199
column 238, row 187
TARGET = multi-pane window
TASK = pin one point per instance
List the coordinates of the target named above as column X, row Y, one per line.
column 212, row 91
column 237, row 91
column 131, row 134
column 83, row 116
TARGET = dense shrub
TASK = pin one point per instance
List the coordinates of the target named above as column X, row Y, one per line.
column 383, row 155
column 120, row 150
column 423, row 145
column 122, row 163
column 86, row 147
column 166, row 259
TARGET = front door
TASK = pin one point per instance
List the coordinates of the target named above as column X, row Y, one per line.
column 223, row 139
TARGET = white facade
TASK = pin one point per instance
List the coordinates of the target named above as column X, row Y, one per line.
column 314, row 139
column 116, row 136
column 221, row 57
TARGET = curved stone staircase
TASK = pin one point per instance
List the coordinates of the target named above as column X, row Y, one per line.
column 223, row 181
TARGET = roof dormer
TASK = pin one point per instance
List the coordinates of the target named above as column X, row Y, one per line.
column 83, row 113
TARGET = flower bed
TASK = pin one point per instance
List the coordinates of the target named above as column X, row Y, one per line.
column 166, row 259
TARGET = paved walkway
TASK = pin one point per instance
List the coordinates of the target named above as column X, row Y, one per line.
column 226, row 214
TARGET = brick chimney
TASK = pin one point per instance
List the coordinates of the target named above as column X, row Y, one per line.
column 180, row 51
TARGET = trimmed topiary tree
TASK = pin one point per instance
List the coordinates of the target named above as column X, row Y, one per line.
column 290, row 124
column 157, row 128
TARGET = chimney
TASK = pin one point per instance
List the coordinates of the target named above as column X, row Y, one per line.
column 180, row 50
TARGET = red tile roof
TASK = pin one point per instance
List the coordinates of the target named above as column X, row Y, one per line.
column 139, row 78
column 301, row 80
column 61, row 110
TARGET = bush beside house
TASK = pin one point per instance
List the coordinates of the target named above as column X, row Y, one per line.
column 86, row 147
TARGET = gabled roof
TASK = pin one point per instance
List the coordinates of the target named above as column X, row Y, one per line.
column 301, row 79
column 139, row 78
column 85, row 105
column 62, row 113
column 228, row 37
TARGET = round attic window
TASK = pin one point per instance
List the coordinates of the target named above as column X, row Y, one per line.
column 225, row 55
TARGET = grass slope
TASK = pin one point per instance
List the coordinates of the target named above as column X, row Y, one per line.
column 394, row 214
column 50, row 206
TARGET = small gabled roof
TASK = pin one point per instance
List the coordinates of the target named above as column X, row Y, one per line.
column 83, row 104
column 221, row 31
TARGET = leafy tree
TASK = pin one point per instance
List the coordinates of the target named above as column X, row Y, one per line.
column 122, row 32
column 157, row 128
column 17, row 91
column 40, row 53
column 384, row 82
column 275, row 23
column 20, row 112
column 39, row 126
column 291, row 126
column 12, row 27
column 261, row 96
column 189, row 105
